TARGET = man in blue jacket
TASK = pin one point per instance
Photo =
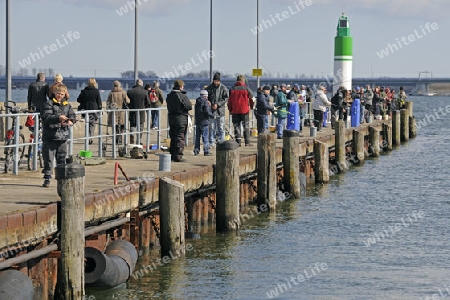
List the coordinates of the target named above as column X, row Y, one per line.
column 262, row 109
column 203, row 115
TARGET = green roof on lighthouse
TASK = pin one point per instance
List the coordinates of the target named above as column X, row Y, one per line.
column 343, row 27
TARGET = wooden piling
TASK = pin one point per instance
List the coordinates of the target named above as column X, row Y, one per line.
column 396, row 128
column 267, row 172
column 412, row 127
column 404, row 125
column 387, row 137
column 358, row 146
column 145, row 235
column 227, row 186
column 374, row 141
column 291, row 164
column 171, row 207
column 409, row 107
column 339, row 145
column 70, row 178
column 321, row 162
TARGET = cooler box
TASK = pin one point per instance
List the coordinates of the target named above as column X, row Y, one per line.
column 293, row 117
column 355, row 112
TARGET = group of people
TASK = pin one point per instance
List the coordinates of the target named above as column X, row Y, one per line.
column 57, row 114
column 378, row 101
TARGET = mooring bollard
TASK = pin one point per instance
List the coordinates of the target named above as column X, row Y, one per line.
column 358, row 146
column 321, row 162
column 396, row 128
column 70, row 284
column 267, row 172
column 374, row 141
column 339, row 143
column 412, row 127
column 291, row 164
column 387, row 137
column 171, row 208
column 404, row 125
column 227, row 186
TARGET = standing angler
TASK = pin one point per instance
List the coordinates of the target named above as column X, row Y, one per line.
column 239, row 107
column 37, row 93
column 138, row 100
column 262, row 109
column 218, row 97
column 178, row 106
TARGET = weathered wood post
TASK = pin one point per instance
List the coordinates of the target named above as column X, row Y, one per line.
column 387, row 137
column 321, row 162
column 291, row 163
column 339, row 143
column 267, row 172
column 171, row 210
column 227, row 186
column 70, row 284
column 396, row 128
column 404, row 125
column 358, row 146
column 412, row 121
column 374, row 141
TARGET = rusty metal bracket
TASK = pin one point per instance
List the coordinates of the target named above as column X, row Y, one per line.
column 212, row 201
column 251, row 185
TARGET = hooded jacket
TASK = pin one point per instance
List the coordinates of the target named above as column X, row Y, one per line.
column 202, row 111
column 178, row 104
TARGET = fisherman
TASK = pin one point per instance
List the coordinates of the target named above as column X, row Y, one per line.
column 263, row 108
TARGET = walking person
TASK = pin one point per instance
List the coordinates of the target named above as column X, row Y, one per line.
column 57, row 116
column 58, row 82
column 203, row 115
column 319, row 106
column 89, row 99
column 239, row 107
column 178, row 106
column 156, row 96
column 138, row 100
column 218, row 97
column 263, row 108
column 37, row 93
column 117, row 99
column 281, row 104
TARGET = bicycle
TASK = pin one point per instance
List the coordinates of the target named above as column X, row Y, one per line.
column 10, row 136
column 30, row 123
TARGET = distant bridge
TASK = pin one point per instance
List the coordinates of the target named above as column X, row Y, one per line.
column 106, row 83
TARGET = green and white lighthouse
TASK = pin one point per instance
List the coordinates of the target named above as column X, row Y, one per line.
column 343, row 55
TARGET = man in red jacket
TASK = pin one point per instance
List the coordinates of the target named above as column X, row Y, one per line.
column 238, row 105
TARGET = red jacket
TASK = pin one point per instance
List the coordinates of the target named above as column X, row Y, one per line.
column 238, row 102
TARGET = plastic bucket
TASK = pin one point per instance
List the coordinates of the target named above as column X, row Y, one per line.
column 165, row 162
column 369, row 119
column 313, row 131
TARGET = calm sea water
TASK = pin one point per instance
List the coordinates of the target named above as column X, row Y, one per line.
column 380, row 231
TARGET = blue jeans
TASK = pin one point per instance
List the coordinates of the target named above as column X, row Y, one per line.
column 266, row 122
column 219, row 125
column 201, row 131
column 281, row 125
column 155, row 118
column 361, row 116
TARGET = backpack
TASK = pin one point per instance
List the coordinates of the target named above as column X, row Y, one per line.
column 153, row 96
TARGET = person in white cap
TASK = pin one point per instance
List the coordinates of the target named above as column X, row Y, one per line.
column 203, row 114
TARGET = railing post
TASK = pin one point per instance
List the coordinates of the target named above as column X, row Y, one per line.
column 86, row 131
column 100, row 133
column 36, row 141
column 16, row 157
column 114, row 134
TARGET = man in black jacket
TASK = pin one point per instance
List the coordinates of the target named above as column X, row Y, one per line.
column 37, row 93
column 138, row 100
column 178, row 106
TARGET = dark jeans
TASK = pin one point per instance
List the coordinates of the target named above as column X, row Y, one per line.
column 237, row 120
column 177, row 132
column 261, row 123
column 318, row 119
column 201, row 131
column 92, row 119
column 50, row 149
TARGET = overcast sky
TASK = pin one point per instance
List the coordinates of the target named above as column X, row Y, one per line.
column 176, row 32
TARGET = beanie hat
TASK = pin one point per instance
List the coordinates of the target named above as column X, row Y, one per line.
column 266, row 88
column 216, row 76
column 178, row 84
column 203, row 93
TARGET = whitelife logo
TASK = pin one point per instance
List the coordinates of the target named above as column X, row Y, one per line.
column 391, row 48
column 34, row 56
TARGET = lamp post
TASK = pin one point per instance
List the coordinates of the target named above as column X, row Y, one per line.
column 8, row 60
column 136, row 71
column 211, row 42
column 257, row 43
